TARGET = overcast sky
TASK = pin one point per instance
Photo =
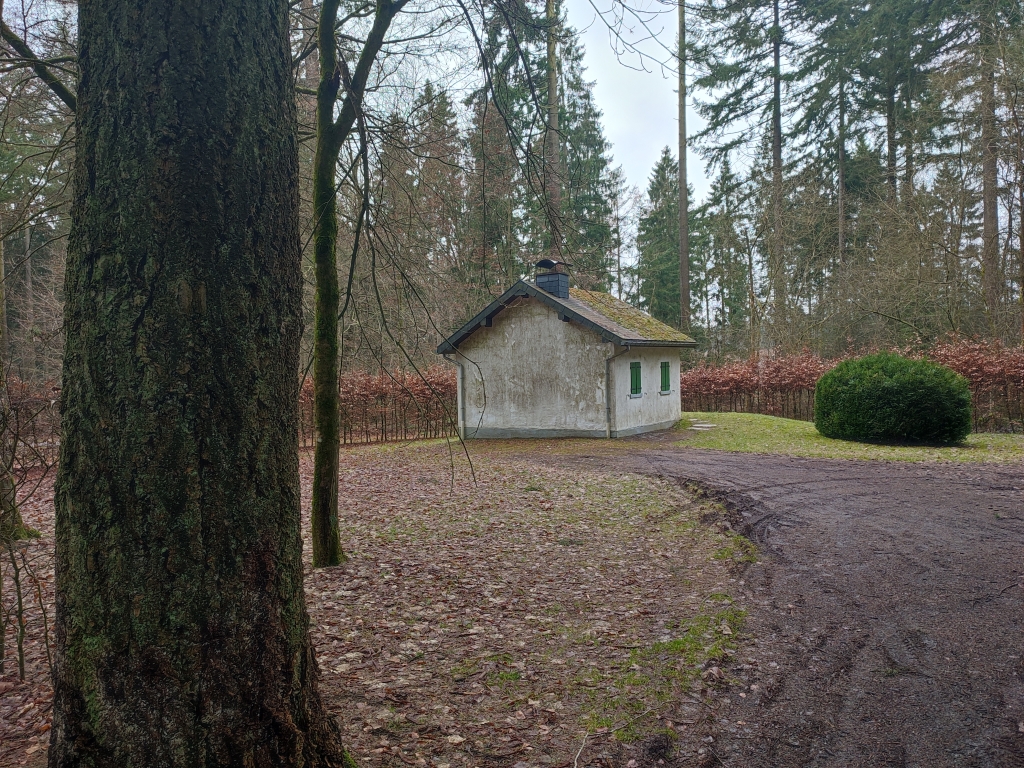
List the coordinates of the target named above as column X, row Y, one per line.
column 640, row 108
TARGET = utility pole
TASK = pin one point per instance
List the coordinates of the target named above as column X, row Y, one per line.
column 684, row 194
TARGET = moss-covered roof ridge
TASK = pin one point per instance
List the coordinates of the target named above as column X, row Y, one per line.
column 628, row 316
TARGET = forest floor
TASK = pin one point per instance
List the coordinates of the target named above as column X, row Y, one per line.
column 512, row 612
column 589, row 604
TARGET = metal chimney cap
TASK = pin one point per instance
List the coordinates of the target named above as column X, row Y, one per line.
column 552, row 264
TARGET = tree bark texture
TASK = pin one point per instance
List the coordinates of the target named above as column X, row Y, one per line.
column 684, row 192
column 181, row 628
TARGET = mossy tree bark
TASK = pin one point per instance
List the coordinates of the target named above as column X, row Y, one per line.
column 332, row 131
column 181, row 628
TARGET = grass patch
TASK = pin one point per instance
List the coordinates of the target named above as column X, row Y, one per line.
column 654, row 674
column 738, row 550
column 753, row 433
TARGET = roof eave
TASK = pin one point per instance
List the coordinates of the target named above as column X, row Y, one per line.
column 657, row 343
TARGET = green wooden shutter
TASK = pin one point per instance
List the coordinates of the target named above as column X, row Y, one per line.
column 635, row 384
column 666, row 376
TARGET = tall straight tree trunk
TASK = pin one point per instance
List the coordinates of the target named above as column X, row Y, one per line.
column 908, row 147
column 552, row 159
column 684, row 192
column 1020, row 237
column 331, row 134
column 182, row 634
column 326, row 399
column 989, row 182
column 841, row 163
column 5, row 345
column 12, row 526
column 30, row 310
column 890, row 141
column 777, row 267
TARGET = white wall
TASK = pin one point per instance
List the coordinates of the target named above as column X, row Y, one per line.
column 652, row 410
column 532, row 375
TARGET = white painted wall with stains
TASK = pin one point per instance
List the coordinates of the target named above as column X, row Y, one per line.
column 532, row 375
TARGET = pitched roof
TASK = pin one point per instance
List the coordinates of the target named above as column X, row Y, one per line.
column 613, row 320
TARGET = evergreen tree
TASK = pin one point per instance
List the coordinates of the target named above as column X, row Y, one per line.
column 588, row 185
column 718, row 224
column 658, row 247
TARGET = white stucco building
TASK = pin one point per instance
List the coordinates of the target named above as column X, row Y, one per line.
column 546, row 360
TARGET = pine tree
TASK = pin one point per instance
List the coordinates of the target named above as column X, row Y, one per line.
column 658, row 243
column 741, row 49
column 588, row 184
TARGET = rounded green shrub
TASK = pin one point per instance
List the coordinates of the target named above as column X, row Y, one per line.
column 888, row 398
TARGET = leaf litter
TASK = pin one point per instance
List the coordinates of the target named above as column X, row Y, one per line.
column 517, row 613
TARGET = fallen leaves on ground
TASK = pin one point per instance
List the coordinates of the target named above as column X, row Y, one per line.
column 515, row 613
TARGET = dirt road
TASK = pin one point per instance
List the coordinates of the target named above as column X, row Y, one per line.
column 891, row 597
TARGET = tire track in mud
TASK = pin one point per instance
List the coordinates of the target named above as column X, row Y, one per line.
column 891, row 597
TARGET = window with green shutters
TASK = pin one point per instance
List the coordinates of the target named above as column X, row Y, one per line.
column 666, row 376
column 635, row 383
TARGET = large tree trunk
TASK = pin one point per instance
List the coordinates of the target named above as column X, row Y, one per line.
column 684, row 192
column 181, row 629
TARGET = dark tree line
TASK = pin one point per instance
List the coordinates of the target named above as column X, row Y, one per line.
column 868, row 186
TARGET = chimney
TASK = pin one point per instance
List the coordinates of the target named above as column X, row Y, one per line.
column 554, row 279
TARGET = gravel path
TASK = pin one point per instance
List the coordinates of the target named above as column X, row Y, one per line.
column 892, row 596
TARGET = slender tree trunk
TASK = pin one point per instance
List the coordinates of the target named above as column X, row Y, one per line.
column 684, row 192
column 182, row 633
column 5, row 344
column 777, row 267
column 12, row 527
column 989, row 182
column 30, row 311
column 552, row 160
column 841, row 163
column 326, row 400
column 890, row 141
column 1020, row 237
column 908, row 148
column 331, row 134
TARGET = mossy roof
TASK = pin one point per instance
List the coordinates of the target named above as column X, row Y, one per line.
column 613, row 320
column 627, row 316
